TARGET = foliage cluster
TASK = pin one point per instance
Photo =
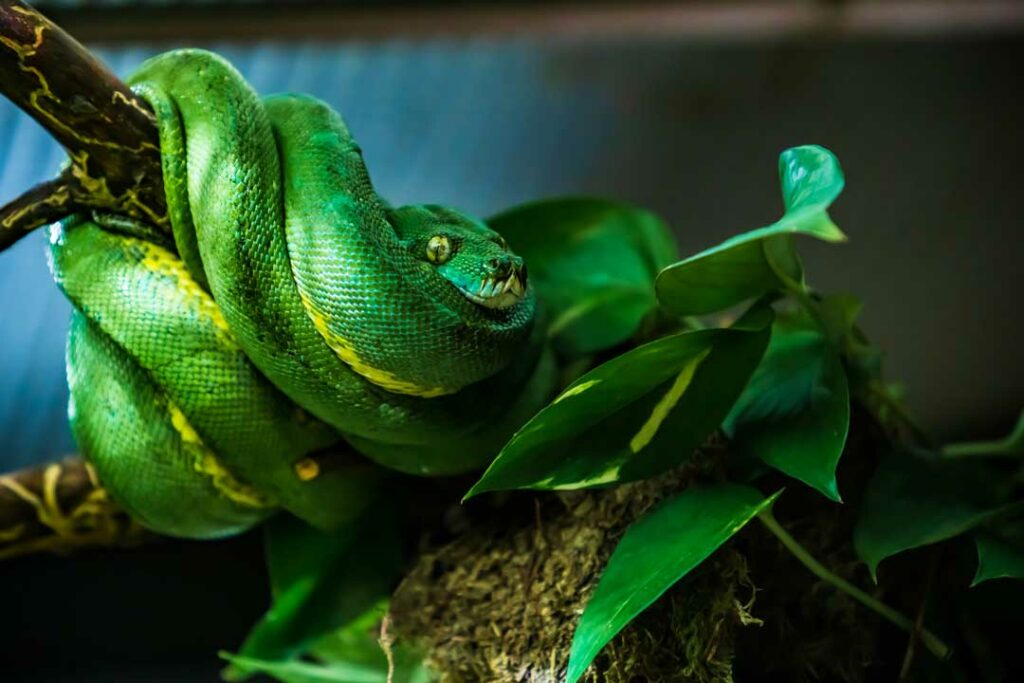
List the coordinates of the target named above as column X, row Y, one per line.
column 738, row 342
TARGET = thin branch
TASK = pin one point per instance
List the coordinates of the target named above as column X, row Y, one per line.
column 114, row 163
column 45, row 203
column 60, row 507
column 109, row 133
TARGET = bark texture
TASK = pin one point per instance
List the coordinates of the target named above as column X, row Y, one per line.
column 113, row 149
column 60, row 507
column 109, row 133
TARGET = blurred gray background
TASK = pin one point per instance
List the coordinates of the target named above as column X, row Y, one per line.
column 678, row 107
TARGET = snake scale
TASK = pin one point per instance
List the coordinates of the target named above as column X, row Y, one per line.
column 290, row 308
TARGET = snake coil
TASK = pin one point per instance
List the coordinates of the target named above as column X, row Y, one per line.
column 290, row 308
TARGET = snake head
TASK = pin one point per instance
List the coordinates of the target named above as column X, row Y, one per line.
column 474, row 259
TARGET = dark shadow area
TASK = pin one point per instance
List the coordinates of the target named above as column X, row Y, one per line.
column 158, row 613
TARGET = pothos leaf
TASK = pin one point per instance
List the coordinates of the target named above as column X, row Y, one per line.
column 837, row 314
column 1000, row 551
column 307, row 672
column 323, row 580
column 912, row 502
column 762, row 260
column 636, row 415
column 357, row 642
column 351, row 654
column 656, row 552
column 795, row 412
column 593, row 262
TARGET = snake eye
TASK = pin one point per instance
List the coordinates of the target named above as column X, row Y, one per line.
column 439, row 249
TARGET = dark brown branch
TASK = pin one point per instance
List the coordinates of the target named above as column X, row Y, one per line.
column 45, row 203
column 114, row 163
column 60, row 507
column 109, row 133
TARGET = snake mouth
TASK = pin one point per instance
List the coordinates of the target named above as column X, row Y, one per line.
column 502, row 291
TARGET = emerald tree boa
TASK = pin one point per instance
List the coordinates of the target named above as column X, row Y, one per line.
column 291, row 308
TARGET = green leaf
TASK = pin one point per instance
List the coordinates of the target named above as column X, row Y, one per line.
column 351, row 653
column 307, row 672
column 762, row 260
column 357, row 642
column 1011, row 445
column 998, row 559
column 795, row 411
column 912, row 502
column 657, row 551
column 323, row 580
column 593, row 263
column 838, row 314
column 637, row 415
column 1000, row 551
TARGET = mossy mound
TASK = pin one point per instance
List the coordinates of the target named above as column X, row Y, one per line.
column 501, row 600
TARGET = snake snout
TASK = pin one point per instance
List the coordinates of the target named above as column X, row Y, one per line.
column 506, row 265
column 504, row 286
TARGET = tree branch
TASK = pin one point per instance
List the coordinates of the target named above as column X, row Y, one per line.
column 111, row 138
column 60, row 507
column 109, row 133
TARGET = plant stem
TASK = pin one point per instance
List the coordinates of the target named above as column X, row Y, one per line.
column 930, row 640
column 908, row 657
column 1010, row 446
column 877, row 391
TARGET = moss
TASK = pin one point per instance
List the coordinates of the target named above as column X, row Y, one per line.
column 500, row 601
column 689, row 634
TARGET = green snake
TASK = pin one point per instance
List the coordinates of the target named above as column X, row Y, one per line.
column 289, row 309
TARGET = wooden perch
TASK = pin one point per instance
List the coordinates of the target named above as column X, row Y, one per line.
column 114, row 163
column 109, row 133
column 60, row 507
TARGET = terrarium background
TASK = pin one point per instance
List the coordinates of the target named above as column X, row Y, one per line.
column 686, row 119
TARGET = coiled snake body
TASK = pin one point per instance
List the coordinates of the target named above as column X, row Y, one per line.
column 292, row 306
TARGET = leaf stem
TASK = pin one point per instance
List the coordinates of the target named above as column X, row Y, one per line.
column 908, row 657
column 1010, row 446
column 876, row 390
column 929, row 639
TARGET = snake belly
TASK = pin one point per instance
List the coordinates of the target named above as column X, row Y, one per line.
column 290, row 308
